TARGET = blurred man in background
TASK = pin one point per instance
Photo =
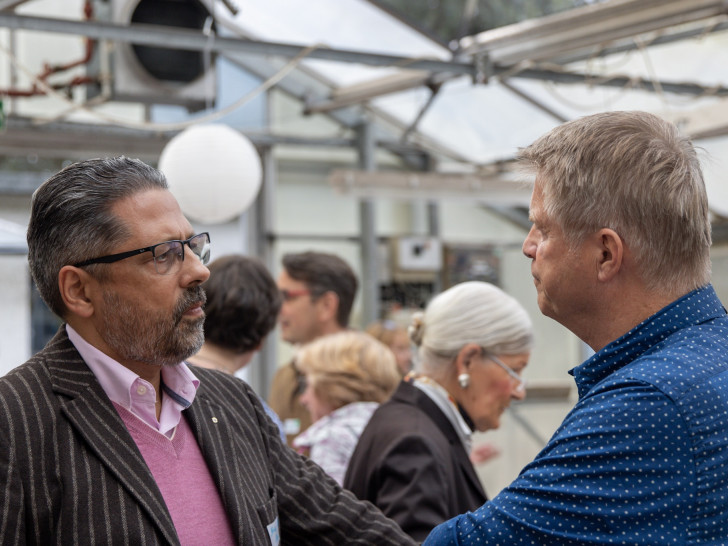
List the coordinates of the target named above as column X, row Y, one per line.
column 318, row 292
column 242, row 307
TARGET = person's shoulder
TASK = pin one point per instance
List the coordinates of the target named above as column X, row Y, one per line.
column 220, row 379
column 354, row 412
column 685, row 361
column 223, row 388
column 705, row 344
column 59, row 358
column 286, row 372
column 395, row 419
column 407, row 435
column 24, row 390
column 34, row 369
column 229, row 392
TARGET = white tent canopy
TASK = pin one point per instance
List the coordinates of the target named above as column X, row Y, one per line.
column 519, row 81
column 484, row 123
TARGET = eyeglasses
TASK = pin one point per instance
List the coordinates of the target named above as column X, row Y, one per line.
column 290, row 295
column 521, row 383
column 168, row 256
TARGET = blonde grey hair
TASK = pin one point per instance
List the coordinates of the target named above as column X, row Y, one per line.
column 349, row 367
column 634, row 173
column 470, row 312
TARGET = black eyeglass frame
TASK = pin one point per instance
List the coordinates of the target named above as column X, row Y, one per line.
column 111, row 258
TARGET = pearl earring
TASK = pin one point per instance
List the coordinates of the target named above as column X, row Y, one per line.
column 464, row 380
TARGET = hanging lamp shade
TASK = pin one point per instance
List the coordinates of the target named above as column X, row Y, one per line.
column 213, row 171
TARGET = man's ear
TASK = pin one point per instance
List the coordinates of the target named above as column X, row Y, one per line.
column 611, row 257
column 75, row 286
column 328, row 306
column 465, row 356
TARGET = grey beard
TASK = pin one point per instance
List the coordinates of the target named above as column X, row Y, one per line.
column 153, row 339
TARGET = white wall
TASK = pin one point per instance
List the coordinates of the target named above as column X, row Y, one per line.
column 15, row 315
column 15, row 329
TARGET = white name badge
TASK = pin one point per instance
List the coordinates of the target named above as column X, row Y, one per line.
column 274, row 533
column 292, row 426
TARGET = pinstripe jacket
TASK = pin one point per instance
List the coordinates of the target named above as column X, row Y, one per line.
column 70, row 473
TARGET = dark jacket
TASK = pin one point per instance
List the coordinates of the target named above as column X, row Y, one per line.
column 411, row 464
column 70, row 473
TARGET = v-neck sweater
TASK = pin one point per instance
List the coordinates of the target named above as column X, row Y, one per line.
column 182, row 475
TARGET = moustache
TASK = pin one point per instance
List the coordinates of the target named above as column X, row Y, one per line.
column 190, row 297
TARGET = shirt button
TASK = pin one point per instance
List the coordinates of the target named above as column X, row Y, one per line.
column 141, row 390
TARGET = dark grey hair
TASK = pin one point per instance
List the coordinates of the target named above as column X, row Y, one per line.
column 71, row 220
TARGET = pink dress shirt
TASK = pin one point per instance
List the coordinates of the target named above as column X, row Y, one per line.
column 137, row 395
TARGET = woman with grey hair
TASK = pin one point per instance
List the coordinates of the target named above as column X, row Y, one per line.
column 473, row 341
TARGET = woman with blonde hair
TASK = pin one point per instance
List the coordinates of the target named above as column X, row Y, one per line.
column 348, row 375
column 473, row 341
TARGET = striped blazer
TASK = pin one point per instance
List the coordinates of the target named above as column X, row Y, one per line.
column 70, row 473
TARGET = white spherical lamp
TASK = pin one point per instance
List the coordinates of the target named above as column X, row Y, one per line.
column 213, row 171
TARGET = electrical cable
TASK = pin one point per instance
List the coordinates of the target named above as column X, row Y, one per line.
column 114, row 120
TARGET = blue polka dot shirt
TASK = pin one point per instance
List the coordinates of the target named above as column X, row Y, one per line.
column 642, row 458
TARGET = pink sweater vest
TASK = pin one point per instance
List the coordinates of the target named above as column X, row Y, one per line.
column 183, row 478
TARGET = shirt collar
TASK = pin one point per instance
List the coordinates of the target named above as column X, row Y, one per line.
column 439, row 395
column 693, row 308
column 127, row 389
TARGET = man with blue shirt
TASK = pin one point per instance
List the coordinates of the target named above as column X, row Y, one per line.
column 620, row 255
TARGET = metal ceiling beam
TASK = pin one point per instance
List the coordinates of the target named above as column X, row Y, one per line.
column 434, row 91
column 69, row 140
column 75, row 141
column 178, row 38
column 251, row 54
column 7, row 5
column 168, row 37
column 623, row 81
column 531, row 100
column 662, row 39
column 22, row 136
column 495, row 188
column 714, row 132
column 703, row 123
column 263, row 59
column 361, row 92
column 304, row 86
column 557, row 76
column 590, row 25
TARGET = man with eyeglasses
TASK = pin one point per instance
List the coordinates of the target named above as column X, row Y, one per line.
column 107, row 435
column 318, row 291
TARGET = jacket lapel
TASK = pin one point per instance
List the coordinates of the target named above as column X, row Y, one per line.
column 91, row 413
column 409, row 394
column 223, row 450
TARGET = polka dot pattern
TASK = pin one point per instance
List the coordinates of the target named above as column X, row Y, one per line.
column 643, row 456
